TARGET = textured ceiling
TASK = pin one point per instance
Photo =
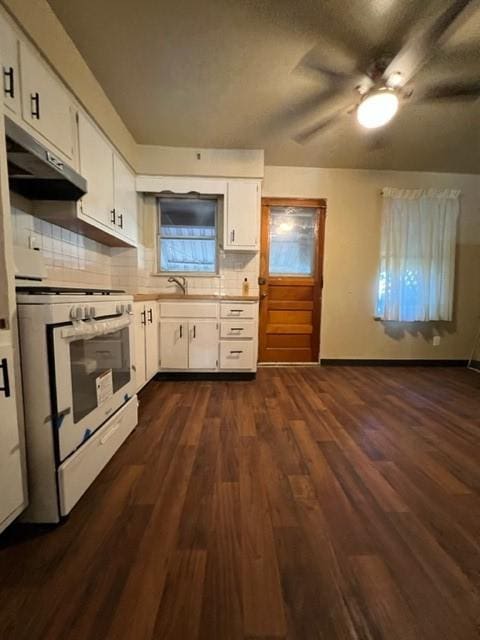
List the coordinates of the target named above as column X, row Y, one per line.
column 245, row 74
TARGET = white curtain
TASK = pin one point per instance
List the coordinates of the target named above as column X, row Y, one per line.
column 417, row 265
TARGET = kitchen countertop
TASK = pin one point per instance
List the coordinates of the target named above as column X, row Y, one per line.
column 144, row 297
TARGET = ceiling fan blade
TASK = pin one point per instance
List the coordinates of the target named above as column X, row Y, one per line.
column 421, row 43
column 449, row 92
column 308, row 134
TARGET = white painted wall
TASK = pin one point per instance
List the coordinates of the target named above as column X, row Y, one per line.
column 352, row 243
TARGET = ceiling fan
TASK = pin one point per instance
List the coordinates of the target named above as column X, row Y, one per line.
column 386, row 83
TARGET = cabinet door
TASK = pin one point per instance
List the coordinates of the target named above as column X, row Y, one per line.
column 96, row 166
column 139, row 316
column 125, row 199
column 11, row 480
column 151, row 339
column 242, row 225
column 9, row 62
column 45, row 102
column 203, row 350
column 173, row 344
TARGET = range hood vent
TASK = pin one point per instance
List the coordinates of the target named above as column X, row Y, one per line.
column 35, row 172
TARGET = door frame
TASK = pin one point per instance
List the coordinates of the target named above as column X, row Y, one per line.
column 321, row 205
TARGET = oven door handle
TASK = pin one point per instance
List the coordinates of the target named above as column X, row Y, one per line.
column 92, row 328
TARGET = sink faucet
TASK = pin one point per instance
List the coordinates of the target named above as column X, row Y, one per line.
column 182, row 284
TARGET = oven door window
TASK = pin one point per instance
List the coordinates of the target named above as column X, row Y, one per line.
column 99, row 368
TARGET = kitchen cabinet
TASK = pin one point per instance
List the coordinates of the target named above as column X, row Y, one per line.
column 46, row 105
column 11, row 474
column 173, row 344
column 10, row 67
column 96, row 166
column 125, row 199
column 242, row 216
column 146, row 341
column 111, row 199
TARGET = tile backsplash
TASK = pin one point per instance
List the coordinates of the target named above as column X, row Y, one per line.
column 70, row 259
column 74, row 260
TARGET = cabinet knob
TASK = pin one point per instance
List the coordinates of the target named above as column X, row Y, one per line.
column 35, row 105
column 6, row 379
column 9, row 82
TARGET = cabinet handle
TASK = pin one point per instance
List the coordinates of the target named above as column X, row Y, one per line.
column 6, row 379
column 120, row 224
column 233, row 235
column 237, row 310
column 236, row 329
column 113, row 216
column 194, row 331
column 236, row 352
column 35, row 105
column 144, row 317
column 181, row 331
column 150, row 316
column 9, row 82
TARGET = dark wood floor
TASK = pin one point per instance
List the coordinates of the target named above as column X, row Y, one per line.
column 312, row 503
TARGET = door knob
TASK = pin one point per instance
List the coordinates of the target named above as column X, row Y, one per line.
column 263, row 295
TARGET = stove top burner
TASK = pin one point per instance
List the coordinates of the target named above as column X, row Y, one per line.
column 58, row 291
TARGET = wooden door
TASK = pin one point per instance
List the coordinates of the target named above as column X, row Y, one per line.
column 291, row 263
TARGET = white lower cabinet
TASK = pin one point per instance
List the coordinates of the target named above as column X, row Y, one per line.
column 11, row 477
column 203, row 344
column 173, row 344
column 208, row 336
column 146, row 341
column 188, row 345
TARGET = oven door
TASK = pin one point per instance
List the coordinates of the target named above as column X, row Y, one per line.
column 92, row 376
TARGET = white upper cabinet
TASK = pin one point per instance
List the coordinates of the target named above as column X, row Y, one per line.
column 96, row 166
column 125, row 199
column 46, row 105
column 10, row 67
column 242, row 215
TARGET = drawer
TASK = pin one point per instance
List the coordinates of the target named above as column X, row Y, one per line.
column 238, row 310
column 237, row 329
column 188, row 309
column 78, row 472
column 236, row 354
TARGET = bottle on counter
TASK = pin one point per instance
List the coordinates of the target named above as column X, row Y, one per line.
column 245, row 287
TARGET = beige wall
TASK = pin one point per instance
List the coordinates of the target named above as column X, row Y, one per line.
column 351, row 260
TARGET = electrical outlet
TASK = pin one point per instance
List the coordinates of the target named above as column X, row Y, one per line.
column 436, row 341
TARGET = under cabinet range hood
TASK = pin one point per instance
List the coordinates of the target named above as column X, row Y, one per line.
column 35, row 172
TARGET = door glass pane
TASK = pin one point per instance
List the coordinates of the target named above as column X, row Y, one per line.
column 89, row 359
column 293, row 233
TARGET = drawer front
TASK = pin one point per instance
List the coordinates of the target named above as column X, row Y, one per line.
column 188, row 309
column 236, row 354
column 238, row 310
column 78, row 472
column 237, row 329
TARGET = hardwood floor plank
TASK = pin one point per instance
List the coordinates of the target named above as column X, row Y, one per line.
column 311, row 503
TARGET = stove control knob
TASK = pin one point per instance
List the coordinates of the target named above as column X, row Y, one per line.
column 130, row 308
column 86, row 312
column 120, row 308
column 92, row 312
column 76, row 313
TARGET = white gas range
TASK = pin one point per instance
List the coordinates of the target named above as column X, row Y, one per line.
column 79, row 389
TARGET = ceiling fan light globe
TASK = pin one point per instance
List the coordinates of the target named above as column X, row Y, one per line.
column 377, row 109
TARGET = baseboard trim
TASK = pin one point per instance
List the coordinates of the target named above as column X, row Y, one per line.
column 188, row 376
column 410, row 362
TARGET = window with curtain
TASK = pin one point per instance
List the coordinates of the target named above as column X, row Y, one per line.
column 417, row 261
column 187, row 235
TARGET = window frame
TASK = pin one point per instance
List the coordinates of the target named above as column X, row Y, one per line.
column 158, row 237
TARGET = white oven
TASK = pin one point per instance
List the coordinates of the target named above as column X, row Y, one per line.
column 77, row 360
